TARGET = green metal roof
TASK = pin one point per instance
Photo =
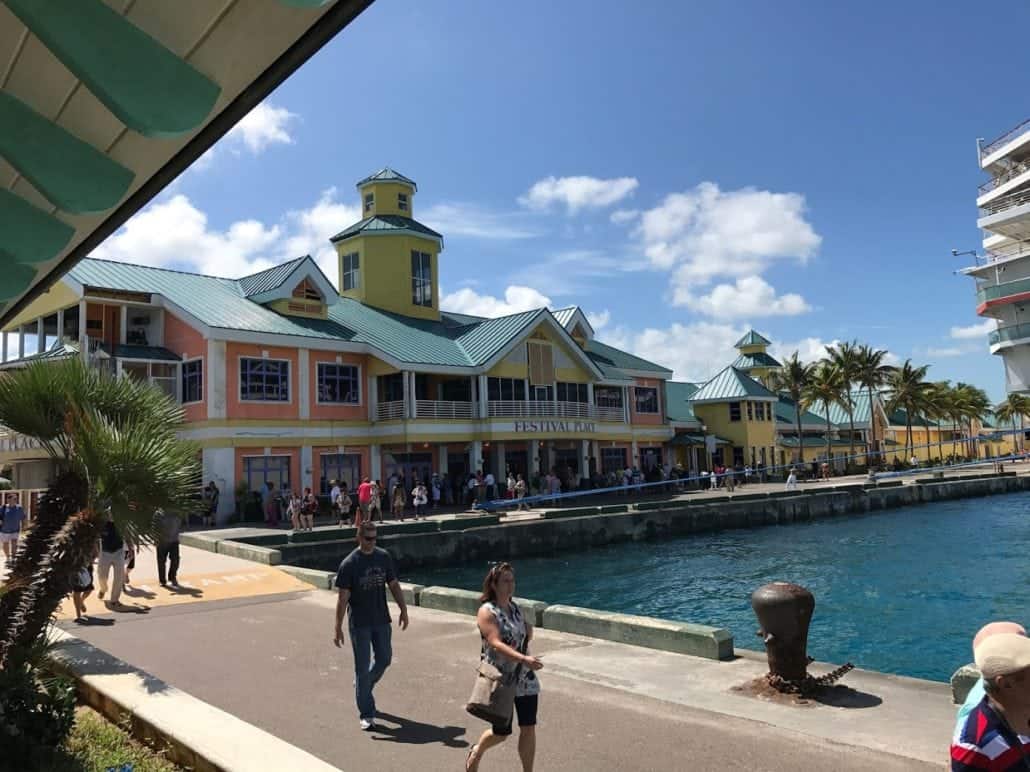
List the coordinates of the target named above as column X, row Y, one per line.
column 564, row 315
column 752, row 338
column 839, row 415
column 731, row 384
column 786, row 413
column 269, row 279
column 815, row 442
column 123, row 351
column 605, row 356
column 102, row 104
column 749, row 361
column 695, row 439
column 385, row 223
column 60, row 350
column 387, row 174
column 456, row 340
column 677, row 401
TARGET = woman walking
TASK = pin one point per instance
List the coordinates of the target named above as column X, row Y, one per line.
column 293, row 510
column 420, row 496
column 520, row 494
column 307, row 510
column 375, row 505
column 506, row 635
column 397, row 504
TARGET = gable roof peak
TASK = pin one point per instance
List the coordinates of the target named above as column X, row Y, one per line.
column 752, row 338
column 386, row 174
column 730, row 384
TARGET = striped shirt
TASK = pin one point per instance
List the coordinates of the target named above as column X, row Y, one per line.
column 985, row 742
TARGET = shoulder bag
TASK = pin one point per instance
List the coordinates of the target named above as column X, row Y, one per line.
column 493, row 695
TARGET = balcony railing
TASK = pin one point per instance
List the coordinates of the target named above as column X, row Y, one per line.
column 1008, row 136
column 519, row 409
column 996, row 291
column 1012, row 332
column 1003, row 253
column 389, row 411
column 1001, row 179
column 1005, row 202
column 433, row 408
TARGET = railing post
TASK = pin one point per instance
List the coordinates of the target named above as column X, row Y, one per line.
column 483, row 410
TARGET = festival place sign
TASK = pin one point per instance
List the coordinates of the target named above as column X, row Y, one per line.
column 553, row 427
column 14, row 442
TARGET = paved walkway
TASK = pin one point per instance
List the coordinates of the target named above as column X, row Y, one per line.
column 266, row 657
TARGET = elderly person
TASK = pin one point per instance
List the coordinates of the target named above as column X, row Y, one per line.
column 994, row 735
column 506, row 634
column 976, row 694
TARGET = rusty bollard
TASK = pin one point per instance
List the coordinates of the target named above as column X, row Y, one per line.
column 784, row 612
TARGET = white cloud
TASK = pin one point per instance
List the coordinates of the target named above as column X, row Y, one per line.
column 462, row 219
column 705, row 233
column 265, row 125
column 974, row 330
column 577, row 193
column 694, row 352
column 947, row 351
column 517, row 298
column 750, row 296
column 809, row 350
column 599, row 320
column 174, row 233
column 623, row 216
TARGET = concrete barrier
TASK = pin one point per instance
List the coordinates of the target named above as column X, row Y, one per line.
column 412, row 593
column 678, row 637
column 558, row 514
column 464, row 522
column 962, row 681
column 409, row 527
column 450, row 599
column 323, row 534
column 323, row 580
column 533, row 610
column 200, row 541
column 265, row 540
column 236, row 549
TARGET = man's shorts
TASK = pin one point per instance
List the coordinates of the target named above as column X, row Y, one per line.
column 525, row 707
column 4, row 537
column 363, row 506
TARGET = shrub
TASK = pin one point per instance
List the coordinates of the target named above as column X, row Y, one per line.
column 37, row 710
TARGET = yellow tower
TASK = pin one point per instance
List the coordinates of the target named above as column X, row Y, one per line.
column 388, row 259
column 753, row 358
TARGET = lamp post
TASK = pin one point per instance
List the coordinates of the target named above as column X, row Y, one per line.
column 704, row 441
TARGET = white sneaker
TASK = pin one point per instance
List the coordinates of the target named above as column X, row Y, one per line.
column 367, row 725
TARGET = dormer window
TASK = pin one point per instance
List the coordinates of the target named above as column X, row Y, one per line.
column 370, row 201
column 307, row 290
column 402, row 201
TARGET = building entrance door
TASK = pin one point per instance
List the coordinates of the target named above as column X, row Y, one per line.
column 517, row 462
column 410, row 466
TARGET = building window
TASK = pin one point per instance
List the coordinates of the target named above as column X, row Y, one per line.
column 345, row 467
column 338, row 384
column 608, row 396
column 541, row 393
column 193, row 381
column 370, row 201
column 734, row 411
column 351, row 278
column 261, row 469
column 572, row 392
column 613, row 460
column 738, row 457
column 421, row 279
column 264, row 380
column 751, row 410
column 509, row 389
column 646, row 399
column 307, row 290
column 391, row 387
column 402, row 201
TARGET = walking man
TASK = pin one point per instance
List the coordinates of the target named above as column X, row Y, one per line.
column 361, row 582
column 10, row 526
column 112, row 559
column 167, row 525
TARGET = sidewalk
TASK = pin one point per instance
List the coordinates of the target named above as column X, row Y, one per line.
column 269, row 660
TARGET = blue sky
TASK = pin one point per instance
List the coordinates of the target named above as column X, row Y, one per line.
column 681, row 170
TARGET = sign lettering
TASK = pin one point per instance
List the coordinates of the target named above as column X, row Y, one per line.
column 554, row 427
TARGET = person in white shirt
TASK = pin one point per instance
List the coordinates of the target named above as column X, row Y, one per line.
column 334, row 494
column 792, row 481
column 420, row 496
column 491, row 486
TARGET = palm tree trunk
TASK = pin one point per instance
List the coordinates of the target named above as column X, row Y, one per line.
column 872, row 425
column 940, row 444
column 829, row 454
column 71, row 550
column 909, row 448
column 851, row 420
column 801, row 441
column 1022, row 435
column 66, row 496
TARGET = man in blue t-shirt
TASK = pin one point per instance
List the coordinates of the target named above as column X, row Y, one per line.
column 11, row 519
column 361, row 581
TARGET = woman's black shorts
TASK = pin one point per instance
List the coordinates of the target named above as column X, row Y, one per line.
column 525, row 707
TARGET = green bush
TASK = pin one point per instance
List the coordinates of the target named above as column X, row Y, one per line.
column 37, row 710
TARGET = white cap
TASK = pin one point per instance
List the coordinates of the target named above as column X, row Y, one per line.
column 1002, row 654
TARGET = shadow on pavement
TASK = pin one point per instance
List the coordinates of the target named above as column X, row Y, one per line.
column 179, row 589
column 138, row 592
column 846, row 697
column 418, row 733
column 88, row 621
column 126, row 608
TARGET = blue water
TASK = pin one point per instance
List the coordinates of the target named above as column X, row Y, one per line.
column 901, row 591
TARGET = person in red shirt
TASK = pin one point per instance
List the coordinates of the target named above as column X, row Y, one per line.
column 364, row 501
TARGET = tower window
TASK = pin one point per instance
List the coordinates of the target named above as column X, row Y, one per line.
column 370, row 201
column 350, row 278
column 402, row 201
column 421, row 279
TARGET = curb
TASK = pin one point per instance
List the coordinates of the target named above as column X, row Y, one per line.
column 197, row 735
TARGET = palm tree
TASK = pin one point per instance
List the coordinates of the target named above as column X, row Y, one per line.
column 116, row 440
column 974, row 406
column 872, row 375
column 934, row 408
column 826, row 387
column 1006, row 412
column 846, row 357
column 906, row 387
column 1020, row 405
column 792, row 379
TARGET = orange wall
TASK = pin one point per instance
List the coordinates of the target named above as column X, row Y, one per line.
column 186, row 341
column 651, row 419
column 237, row 409
column 357, row 412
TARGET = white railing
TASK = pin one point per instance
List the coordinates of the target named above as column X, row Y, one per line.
column 433, row 408
column 389, row 411
column 519, row 409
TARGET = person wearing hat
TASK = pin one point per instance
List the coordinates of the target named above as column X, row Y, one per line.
column 977, row 692
column 994, row 736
